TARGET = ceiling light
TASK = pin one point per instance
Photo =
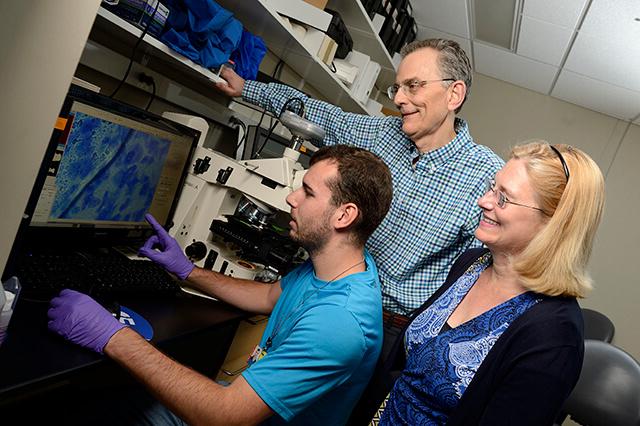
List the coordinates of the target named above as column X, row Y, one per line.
column 495, row 22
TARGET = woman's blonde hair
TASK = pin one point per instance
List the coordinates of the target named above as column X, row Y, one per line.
column 554, row 263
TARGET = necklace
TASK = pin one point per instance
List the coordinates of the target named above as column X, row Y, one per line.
column 276, row 329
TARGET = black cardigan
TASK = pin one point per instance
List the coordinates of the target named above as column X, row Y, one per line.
column 527, row 374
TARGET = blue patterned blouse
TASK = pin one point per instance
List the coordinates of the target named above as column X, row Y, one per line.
column 442, row 361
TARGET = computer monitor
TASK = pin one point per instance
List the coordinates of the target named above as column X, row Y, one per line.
column 107, row 165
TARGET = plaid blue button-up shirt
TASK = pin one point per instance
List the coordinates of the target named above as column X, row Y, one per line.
column 434, row 211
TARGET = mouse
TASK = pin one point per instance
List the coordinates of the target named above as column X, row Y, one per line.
column 109, row 303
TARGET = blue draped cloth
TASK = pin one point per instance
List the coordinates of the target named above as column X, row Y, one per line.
column 209, row 35
column 248, row 55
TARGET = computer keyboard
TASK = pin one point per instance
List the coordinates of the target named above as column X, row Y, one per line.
column 43, row 275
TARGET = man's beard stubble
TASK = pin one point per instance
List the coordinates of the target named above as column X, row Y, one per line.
column 313, row 240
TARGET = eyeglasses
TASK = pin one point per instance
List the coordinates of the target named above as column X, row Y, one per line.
column 501, row 197
column 411, row 87
column 564, row 164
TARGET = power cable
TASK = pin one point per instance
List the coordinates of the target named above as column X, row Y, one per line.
column 272, row 128
column 133, row 51
column 277, row 70
column 240, row 123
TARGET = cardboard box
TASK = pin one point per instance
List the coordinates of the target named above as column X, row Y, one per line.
column 394, row 112
column 320, row 4
column 328, row 50
column 321, row 45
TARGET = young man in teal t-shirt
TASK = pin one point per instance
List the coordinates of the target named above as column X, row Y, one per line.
column 325, row 329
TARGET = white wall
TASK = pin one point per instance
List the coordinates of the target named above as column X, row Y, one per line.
column 41, row 44
column 501, row 115
column 617, row 252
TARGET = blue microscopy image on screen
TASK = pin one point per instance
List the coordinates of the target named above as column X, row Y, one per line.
column 108, row 172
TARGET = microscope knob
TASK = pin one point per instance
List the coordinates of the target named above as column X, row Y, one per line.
column 196, row 250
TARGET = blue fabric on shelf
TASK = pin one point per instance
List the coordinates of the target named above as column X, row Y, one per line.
column 248, row 55
column 202, row 30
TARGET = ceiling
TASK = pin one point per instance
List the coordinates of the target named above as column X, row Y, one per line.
column 586, row 52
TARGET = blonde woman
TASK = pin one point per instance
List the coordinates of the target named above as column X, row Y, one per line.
column 501, row 342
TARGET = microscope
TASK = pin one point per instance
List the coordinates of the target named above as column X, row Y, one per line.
column 231, row 216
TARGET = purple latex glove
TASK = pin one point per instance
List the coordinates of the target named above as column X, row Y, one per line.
column 170, row 256
column 81, row 320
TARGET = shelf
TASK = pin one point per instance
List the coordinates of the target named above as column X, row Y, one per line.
column 109, row 28
column 261, row 19
column 365, row 38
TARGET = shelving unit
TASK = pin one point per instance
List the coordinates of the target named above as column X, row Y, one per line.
column 109, row 29
column 261, row 19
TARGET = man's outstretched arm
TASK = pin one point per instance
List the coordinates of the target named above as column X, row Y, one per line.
column 193, row 397
column 190, row 395
column 342, row 127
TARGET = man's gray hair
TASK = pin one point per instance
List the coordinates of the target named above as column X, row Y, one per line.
column 452, row 60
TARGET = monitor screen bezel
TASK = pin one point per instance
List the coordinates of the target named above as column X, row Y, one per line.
column 96, row 234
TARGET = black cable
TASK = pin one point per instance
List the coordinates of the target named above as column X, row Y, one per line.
column 300, row 102
column 266, row 139
column 240, row 123
column 153, row 93
column 133, row 52
column 277, row 70
column 255, row 137
column 284, row 107
column 242, row 139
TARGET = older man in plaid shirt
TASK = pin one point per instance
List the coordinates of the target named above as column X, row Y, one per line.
column 438, row 171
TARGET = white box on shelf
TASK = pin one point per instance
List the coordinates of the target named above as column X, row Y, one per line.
column 345, row 71
column 302, row 12
column 396, row 60
column 360, row 61
column 374, row 107
column 299, row 30
column 320, row 45
column 377, row 22
column 313, row 40
column 364, row 85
